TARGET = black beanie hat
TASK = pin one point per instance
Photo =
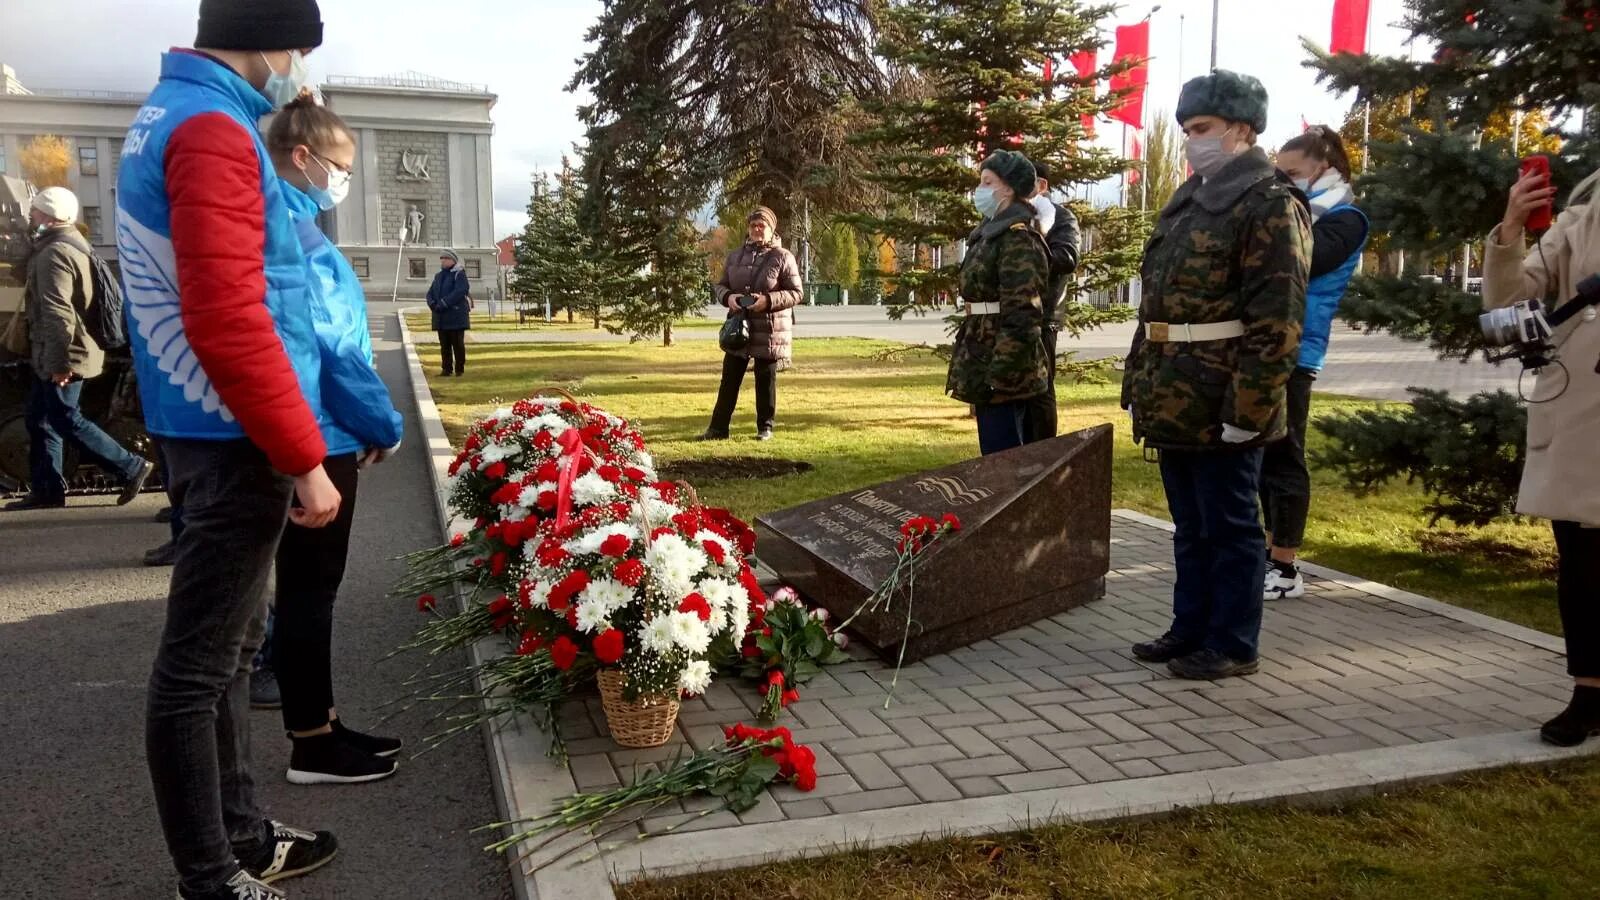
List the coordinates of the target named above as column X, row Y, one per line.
column 259, row 25
column 1015, row 170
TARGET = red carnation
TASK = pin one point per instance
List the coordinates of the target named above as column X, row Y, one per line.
column 567, row 406
column 549, row 471
column 696, row 604
column 497, row 563
column 775, row 677
column 501, row 611
column 635, row 474
column 715, row 551
column 789, row 696
column 608, row 647
column 543, row 440
column 630, row 572
column 663, row 531
column 530, row 644
column 496, row 470
column 506, row 494
column 551, row 555
column 751, row 651
column 610, row 473
column 547, row 500
column 426, row 603
column 563, row 653
column 951, row 522
column 567, row 588
column 457, row 540
column 616, row 546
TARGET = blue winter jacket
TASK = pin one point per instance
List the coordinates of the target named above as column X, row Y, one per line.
column 1323, row 294
column 357, row 413
column 179, row 396
column 447, row 297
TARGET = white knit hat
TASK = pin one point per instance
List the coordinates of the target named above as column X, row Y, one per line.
column 58, row 203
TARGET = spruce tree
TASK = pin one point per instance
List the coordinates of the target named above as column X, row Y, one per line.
column 1439, row 182
column 971, row 80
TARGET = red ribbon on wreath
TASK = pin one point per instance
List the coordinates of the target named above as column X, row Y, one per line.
column 571, row 442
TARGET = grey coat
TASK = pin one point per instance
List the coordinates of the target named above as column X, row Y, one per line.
column 58, row 295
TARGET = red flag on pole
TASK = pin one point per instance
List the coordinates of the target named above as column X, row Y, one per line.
column 1304, row 125
column 1133, row 44
column 1086, row 62
column 1349, row 26
column 1136, row 155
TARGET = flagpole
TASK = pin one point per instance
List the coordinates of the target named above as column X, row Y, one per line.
column 1216, row 6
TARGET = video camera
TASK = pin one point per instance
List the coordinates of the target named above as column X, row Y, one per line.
column 1524, row 331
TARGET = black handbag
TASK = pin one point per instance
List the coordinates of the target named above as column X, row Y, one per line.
column 735, row 334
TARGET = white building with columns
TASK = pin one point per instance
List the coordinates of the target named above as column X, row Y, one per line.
column 423, row 165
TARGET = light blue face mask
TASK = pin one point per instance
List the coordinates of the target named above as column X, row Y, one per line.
column 985, row 200
column 280, row 90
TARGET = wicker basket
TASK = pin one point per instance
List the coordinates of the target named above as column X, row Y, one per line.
column 645, row 722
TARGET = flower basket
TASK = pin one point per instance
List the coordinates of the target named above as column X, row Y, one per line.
column 645, row 722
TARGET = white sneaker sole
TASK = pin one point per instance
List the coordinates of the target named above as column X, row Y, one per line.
column 296, row 776
column 1279, row 592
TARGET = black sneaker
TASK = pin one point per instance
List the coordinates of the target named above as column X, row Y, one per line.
column 136, row 483
column 164, row 555
column 291, row 852
column 377, row 746
column 446, row 373
column 242, row 886
column 328, row 759
column 764, row 434
column 264, row 692
column 1578, row 722
column 34, row 501
column 1209, row 665
column 710, row 435
column 1162, row 649
column 164, row 515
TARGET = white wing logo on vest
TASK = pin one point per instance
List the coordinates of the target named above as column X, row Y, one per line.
column 953, row 489
column 148, row 267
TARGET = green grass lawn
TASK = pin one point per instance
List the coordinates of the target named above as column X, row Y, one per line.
column 860, row 420
column 507, row 321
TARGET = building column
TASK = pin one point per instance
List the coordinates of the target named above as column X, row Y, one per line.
column 371, row 199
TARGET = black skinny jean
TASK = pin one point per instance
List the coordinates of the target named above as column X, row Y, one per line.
column 733, row 368
column 310, row 567
column 1285, row 480
column 197, row 723
column 1578, row 592
column 453, row 343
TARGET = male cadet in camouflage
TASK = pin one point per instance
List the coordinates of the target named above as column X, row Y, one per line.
column 998, row 364
column 1219, row 331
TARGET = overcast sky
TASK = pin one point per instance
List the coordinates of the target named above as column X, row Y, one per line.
column 525, row 51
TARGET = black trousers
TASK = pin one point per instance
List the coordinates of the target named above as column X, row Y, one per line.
column 310, row 567
column 1285, row 480
column 733, row 368
column 1578, row 592
column 453, row 343
column 1040, row 419
column 197, row 721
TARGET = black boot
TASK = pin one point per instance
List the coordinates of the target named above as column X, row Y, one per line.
column 1578, row 722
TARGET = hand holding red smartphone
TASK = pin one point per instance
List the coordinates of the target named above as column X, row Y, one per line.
column 1532, row 201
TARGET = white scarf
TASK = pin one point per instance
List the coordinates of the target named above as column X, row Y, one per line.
column 1330, row 190
column 1044, row 213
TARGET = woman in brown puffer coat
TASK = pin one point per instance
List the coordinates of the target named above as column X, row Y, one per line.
column 761, row 279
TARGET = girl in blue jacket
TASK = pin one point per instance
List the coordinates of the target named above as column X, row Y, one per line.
column 1320, row 168
column 314, row 151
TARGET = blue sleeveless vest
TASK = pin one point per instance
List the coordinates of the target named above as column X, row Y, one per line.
column 1322, row 301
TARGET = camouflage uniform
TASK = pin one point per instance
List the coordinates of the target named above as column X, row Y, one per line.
column 1235, row 247
column 1001, row 358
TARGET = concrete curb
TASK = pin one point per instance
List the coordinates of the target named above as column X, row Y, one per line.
column 527, row 782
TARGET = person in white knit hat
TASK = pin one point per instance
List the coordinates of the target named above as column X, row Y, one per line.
column 59, row 299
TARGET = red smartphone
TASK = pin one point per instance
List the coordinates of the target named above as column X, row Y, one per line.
column 1539, row 219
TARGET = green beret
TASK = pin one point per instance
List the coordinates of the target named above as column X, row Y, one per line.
column 1015, row 170
column 1226, row 95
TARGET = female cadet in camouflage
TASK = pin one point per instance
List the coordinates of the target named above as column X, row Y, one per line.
column 1219, row 330
column 999, row 359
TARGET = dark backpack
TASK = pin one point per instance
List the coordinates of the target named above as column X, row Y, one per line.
column 105, row 322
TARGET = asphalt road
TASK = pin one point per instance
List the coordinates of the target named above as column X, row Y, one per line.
column 79, row 621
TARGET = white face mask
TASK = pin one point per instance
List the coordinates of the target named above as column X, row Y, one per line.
column 986, row 201
column 1304, row 184
column 1206, row 155
column 338, row 186
column 281, row 89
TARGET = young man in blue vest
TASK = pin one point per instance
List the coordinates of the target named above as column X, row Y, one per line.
column 222, row 337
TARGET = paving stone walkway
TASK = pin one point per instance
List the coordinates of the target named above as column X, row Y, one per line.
column 1061, row 702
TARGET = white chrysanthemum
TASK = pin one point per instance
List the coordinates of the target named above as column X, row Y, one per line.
column 539, row 594
column 591, row 490
column 656, row 510
column 608, row 593
column 739, row 620
column 656, row 635
column 696, row 676
column 591, row 541
column 501, row 413
column 593, row 617
column 675, row 565
column 498, row 451
column 729, row 553
column 721, row 594
column 546, row 422
column 689, row 632
column 645, row 460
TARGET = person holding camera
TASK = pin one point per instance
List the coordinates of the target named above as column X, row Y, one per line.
column 1558, row 480
column 760, row 282
column 999, row 363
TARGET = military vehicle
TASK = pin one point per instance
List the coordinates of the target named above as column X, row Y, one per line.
column 110, row 401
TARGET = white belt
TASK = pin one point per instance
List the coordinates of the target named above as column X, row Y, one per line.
column 983, row 309
column 1167, row 333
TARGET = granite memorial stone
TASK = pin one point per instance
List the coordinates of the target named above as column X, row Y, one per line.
column 1035, row 541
